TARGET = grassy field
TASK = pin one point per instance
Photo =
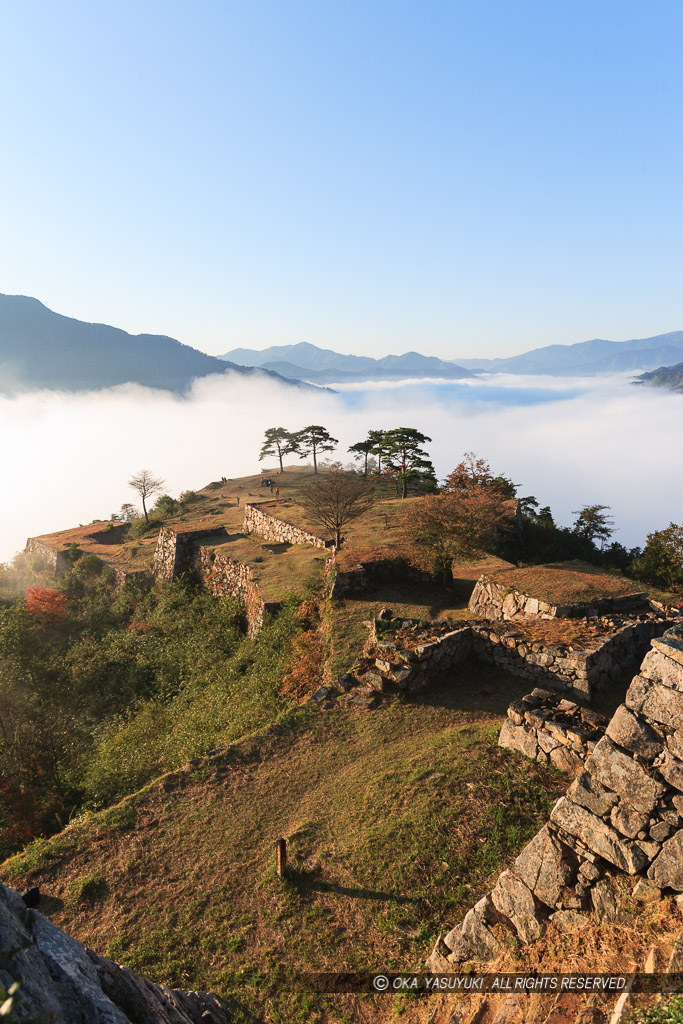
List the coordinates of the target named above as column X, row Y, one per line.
column 396, row 821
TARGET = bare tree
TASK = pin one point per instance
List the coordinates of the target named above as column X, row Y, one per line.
column 336, row 499
column 146, row 485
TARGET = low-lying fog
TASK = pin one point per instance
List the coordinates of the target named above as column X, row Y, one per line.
column 569, row 442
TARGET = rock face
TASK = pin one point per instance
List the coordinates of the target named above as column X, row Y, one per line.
column 62, row 982
column 621, row 816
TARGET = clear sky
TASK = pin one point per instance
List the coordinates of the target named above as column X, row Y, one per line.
column 462, row 178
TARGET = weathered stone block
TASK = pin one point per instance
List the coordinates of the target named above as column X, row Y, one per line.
column 604, row 900
column 588, row 792
column 516, row 737
column 477, row 934
column 628, row 820
column 566, row 760
column 620, row 773
column 629, row 731
column 569, row 920
column 646, row 891
column 656, row 702
column 672, row 771
column 512, row 898
column 598, row 836
column 546, row 866
column 667, row 869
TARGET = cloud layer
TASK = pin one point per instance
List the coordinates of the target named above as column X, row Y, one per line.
column 68, row 457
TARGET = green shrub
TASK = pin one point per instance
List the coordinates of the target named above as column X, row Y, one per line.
column 669, row 1011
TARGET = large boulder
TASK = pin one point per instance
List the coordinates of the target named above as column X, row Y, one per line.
column 655, row 701
column 512, row 898
column 546, row 866
column 61, row 981
column 630, row 732
column 617, row 771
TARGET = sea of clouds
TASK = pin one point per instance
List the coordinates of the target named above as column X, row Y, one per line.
column 570, row 441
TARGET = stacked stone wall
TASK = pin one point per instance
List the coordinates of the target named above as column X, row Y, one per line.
column 621, row 817
column 426, row 656
column 224, row 577
column 270, row 527
column 176, row 552
column 496, row 601
column 412, row 668
column 552, row 730
column 380, row 570
column 555, row 665
column 51, row 559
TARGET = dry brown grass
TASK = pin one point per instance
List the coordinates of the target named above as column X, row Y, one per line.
column 564, row 583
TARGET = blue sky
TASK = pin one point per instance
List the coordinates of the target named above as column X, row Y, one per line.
column 462, row 178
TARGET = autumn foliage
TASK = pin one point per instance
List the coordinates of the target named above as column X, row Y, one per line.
column 47, row 607
column 469, row 516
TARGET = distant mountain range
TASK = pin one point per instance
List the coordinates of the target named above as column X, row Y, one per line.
column 585, row 358
column 589, row 357
column 664, row 377
column 323, row 366
column 42, row 349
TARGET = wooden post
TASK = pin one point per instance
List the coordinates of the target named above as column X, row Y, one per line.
column 281, row 856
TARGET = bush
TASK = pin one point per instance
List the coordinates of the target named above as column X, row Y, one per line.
column 669, row 1011
column 165, row 507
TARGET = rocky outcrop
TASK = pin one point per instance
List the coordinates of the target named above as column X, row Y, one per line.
column 552, row 730
column 621, row 816
column 61, row 982
column 270, row 527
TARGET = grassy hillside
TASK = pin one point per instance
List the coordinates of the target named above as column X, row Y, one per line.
column 396, row 821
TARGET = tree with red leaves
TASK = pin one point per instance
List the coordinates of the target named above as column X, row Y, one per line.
column 47, row 607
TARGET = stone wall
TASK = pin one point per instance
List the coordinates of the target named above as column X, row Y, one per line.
column 61, row 981
column 552, row 730
column 495, row 601
column 425, row 649
column 621, row 817
column 268, row 526
column 224, row 577
column 176, row 552
column 57, row 561
column 557, row 666
column 379, row 570
column 405, row 662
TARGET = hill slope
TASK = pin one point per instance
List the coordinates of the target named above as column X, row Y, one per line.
column 664, row 377
column 43, row 349
column 394, row 821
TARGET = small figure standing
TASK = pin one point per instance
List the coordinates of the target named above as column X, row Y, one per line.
column 271, row 488
column 277, row 493
column 238, row 501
